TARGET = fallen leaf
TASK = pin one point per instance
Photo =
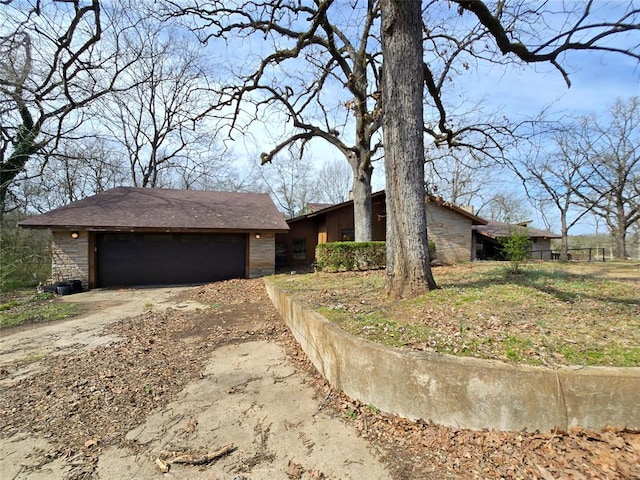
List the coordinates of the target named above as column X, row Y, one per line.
column 316, row 475
column 91, row 443
column 162, row 465
column 294, row 470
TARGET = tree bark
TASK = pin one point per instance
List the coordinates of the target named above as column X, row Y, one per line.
column 408, row 269
column 362, row 206
column 620, row 233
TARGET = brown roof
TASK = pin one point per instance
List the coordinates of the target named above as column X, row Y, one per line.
column 499, row 229
column 165, row 209
column 475, row 220
column 314, row 207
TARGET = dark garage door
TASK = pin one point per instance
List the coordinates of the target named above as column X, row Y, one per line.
column 165, row 259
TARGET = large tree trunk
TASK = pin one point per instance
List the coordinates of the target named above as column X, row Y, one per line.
column 619, row 239
column 362, row 207
column 408, row 268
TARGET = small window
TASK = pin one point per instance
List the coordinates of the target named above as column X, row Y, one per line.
column 299, row 248
column 348, row 235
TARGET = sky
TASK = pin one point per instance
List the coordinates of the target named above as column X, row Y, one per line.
column 520, row 92
column 597, row 82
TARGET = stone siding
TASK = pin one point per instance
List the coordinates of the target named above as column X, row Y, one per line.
column 262, row 254
column 70, row 257
column 451, row 232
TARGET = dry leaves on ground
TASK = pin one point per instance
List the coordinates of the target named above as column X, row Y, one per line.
column 90, row 400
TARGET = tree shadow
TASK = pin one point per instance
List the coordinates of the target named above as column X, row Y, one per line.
column 545, row 281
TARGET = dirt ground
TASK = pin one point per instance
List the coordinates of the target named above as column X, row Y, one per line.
column 152, row 376
column 208, row 383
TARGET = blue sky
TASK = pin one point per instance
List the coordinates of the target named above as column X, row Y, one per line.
column 522, row 91
column 597, row 82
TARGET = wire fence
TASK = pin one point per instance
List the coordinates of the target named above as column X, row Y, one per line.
column 590, row 254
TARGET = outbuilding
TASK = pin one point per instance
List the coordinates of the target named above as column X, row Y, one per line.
column 150, row 236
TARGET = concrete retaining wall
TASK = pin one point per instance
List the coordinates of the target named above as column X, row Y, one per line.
column 463, row 392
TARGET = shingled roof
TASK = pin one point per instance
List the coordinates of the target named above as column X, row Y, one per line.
column 135, row 208
column 319, row 209
column 495, row 229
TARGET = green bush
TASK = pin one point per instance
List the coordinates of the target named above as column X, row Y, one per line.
column 337, row 256
column 516, row 247
column 432, row 250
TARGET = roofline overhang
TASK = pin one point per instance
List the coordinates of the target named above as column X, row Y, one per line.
column 99, row 229
column 475, row 220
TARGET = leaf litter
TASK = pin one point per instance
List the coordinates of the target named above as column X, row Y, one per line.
column 85, row 402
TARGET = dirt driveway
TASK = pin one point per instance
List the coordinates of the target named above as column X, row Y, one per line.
column 149, row 378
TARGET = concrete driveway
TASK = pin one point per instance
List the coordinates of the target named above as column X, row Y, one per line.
column 250, row 395
column 22, row 349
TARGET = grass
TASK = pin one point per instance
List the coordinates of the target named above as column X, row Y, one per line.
column 20, row 307
column 549, row 314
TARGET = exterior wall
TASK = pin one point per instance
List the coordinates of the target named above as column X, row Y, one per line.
column 302, row 232
column 262, row 254
column 70, row 257
column 327, row 227
column 342, row 219
column 450, row 232
column 542, row 245
column 337, row 221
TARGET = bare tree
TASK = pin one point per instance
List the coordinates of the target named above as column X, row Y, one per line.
column 53, row 63
column 160, row 123
column 311, row 54
column 289, row 182
column 613, row 186
column 333, row 182
column 507, row 207
column 518, row 31
column 320, row 71
column 78, row 169
column 408, row 270
column 462, row 178
column 556, row 175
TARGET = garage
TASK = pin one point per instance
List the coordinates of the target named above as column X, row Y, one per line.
column 164, row 258
column 132, row 236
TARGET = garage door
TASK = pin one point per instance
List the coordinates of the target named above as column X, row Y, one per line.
column 168, row 259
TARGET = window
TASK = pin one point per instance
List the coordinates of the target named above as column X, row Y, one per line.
column 299, row 248
column 348, row 235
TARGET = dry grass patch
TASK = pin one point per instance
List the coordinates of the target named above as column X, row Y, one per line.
column 550, row 314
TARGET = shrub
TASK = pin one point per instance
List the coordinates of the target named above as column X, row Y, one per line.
column 516, row 247
column 432, row 250
column 336, row 256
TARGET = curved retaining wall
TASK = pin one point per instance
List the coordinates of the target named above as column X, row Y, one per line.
column 463, row 392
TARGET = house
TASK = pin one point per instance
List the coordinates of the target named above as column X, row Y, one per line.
column 448, row 226
column 152, row 236
column 488, row 238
